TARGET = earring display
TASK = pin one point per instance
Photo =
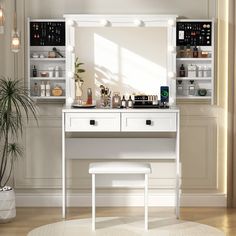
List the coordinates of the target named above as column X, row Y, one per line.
column 47, row 34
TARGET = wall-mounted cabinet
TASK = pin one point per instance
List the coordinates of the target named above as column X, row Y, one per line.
column 46, row 59
column 195, row 60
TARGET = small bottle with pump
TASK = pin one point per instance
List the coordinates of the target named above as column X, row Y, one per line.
column 130, row 102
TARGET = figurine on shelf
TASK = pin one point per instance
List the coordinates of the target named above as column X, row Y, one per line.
column 78, row 81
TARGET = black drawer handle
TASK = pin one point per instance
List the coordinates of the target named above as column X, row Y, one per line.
column 148, row 122
column 92, row 122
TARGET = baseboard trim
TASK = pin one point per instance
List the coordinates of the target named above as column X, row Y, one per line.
column 111, row 199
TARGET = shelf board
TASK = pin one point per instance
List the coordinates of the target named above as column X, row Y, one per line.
column 194, row 97
column 193, row 78
column 48, row 78
column 194, row 59
column 48, row 59
column 51, row 97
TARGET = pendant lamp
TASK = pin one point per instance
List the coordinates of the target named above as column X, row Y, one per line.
column 15, row 39
column 1, row 20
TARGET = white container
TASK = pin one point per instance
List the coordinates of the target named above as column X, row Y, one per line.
column 200, row 71
column 48, row 89
column 192, row 71
column 7, row 205
column 57, row 74
column 50, row 71
column 42, row 89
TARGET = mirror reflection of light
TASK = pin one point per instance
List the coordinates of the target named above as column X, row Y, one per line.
column 141, row 74
column 125, row 71
column 106, row 57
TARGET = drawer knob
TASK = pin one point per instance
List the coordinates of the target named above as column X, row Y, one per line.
column 148, row 122
column 92, row 122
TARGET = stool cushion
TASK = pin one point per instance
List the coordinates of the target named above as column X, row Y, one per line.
column 119, row 168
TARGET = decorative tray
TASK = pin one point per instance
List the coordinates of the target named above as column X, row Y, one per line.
column 83, row 105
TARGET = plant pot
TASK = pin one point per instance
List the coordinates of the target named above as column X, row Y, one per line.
column 7, row 206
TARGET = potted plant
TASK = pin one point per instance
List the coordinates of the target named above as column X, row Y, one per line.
column 78, row 80
column 15, row 106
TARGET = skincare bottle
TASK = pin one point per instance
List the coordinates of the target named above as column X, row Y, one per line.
column 48, row 88
column 42, row 89
column 195, row 52
column 123, row 102
column 191, row 88
column 180, row 89
column 188, row 51
column 130, row 102
column 116, row 101
column 34, row 72
column 182, row 71
column 35, row 90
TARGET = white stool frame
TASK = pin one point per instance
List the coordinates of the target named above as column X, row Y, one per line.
column 94, row 201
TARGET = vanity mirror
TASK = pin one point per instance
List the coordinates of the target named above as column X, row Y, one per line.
column 131, row 54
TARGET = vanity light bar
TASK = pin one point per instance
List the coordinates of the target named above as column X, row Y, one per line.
column 105, row 22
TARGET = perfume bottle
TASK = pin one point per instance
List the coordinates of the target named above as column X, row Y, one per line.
column 116, row 101
column 123, row 102
column 130, row 102
column 89, row 97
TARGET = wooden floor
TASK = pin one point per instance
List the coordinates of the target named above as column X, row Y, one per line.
column 30, row 218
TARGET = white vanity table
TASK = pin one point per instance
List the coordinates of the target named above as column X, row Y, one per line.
column 124, row 121
column 128, row 54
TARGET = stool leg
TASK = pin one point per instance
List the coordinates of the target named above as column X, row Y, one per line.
column 93, row 202
column 146, row 202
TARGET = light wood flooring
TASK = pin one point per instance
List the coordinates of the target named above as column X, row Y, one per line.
column 30, row 218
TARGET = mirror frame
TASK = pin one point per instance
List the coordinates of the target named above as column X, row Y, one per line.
column 89, row 20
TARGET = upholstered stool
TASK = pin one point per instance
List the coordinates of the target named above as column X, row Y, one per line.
column 120, row 168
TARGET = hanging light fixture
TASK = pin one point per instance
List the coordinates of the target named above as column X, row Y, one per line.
column 15, row 39
column 1, row 20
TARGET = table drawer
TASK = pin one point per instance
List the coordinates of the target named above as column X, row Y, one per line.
column 92, row 122
column 149, row 122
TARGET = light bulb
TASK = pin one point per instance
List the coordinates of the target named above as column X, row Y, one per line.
column 70, row 22
column 15, row 42
column 171, row 49
column 70, row 100
column 70, row 74
column 70, row 48
column 138, row 22
column 1, row 13
column 171, row 22
column 171, row 75
column 104, row 22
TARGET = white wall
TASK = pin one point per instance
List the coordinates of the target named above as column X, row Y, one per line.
column 39, row 171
